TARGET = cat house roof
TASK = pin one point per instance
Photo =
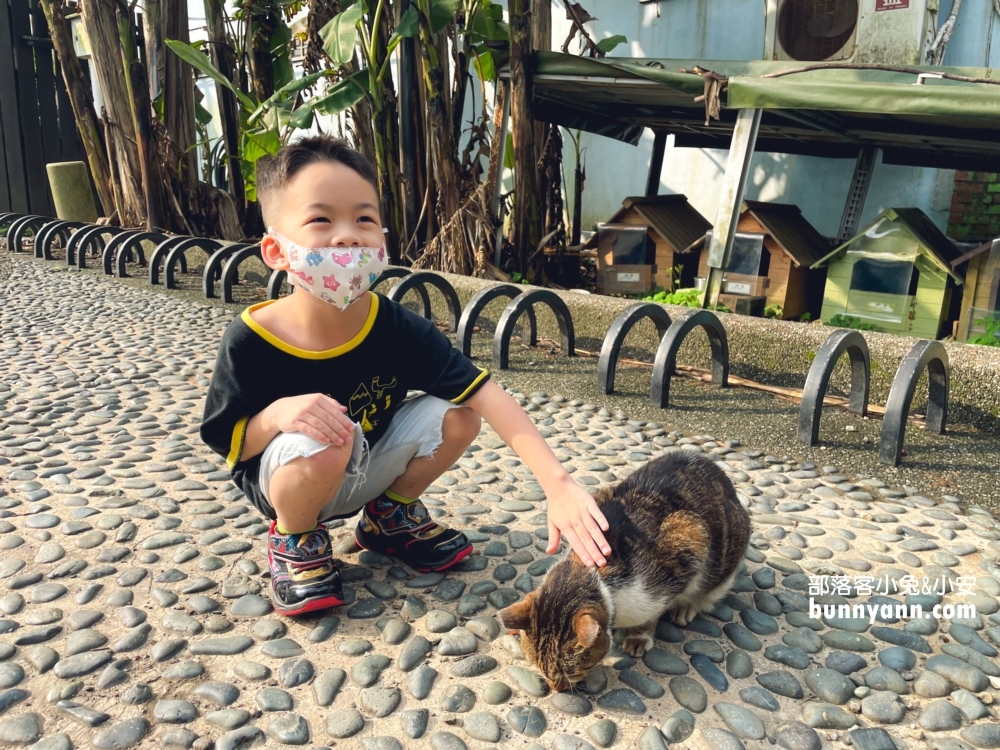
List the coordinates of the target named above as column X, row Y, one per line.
column 799, row 239
column 932, row 241
column 670, row 216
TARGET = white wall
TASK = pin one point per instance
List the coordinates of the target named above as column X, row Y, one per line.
column 734, row 30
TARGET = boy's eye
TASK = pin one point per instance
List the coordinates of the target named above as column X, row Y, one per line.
column 321, row 219
column 368, row 218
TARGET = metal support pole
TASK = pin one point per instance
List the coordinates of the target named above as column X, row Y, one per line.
column 734, row 186
column 656, row 163
column 497, row 204
column 864, row 168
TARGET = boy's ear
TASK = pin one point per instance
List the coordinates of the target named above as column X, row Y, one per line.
column 272, row 254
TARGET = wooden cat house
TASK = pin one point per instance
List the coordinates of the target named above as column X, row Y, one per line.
column 895, row 275
column 771, row 262
column 981, row 298
column 671, row 223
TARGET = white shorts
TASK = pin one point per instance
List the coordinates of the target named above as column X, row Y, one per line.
column 414, row 432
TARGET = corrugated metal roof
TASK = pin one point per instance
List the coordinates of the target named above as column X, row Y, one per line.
column 789, row 228
column 671, row 216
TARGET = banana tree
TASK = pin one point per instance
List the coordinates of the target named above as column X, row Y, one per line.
column 266, row 125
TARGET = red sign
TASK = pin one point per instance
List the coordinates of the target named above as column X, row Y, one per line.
column 891, row 4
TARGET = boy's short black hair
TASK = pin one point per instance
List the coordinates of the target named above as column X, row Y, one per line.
column 275, row 172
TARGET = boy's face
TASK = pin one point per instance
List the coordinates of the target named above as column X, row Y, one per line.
column 326, row 204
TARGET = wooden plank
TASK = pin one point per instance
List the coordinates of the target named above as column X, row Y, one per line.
column 27, row 96
column 15, row 184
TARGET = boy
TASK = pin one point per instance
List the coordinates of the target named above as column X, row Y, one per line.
column 308, row 397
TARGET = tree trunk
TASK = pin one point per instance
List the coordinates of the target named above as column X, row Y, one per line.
column 137, row 89
column 99, row 20
column 548, row 140
column 224, row 60
column 152, row 32
column 443, row 154
column 178, row 95
column 262, row 20
column 82, row 101
column 411, row 134
column 526, row 224
column 385, row 127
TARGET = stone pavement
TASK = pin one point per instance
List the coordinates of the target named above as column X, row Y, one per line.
column 134, row 609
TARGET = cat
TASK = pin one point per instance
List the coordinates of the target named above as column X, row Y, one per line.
column 677, row 535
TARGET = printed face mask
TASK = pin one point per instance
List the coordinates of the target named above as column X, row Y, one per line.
column 338, row 275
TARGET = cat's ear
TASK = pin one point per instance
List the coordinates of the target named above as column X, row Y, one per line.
column 587, row 626
column 517, row 615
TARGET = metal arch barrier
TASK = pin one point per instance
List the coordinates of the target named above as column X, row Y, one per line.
column 525, row 301
column 126, row 246
column 79, row 243
column 929, row 355
column 159, row 255
column 818, row 379
column 177, row 254
column 7, row 218
column 15, row 233
column 213, row 267
column 58, row 228
column 421, row 279
column 111, row 247
column 666, row 354
column 398, row 272
column 479, row 301
column 615, row 338
column 274, row 283
column 231, row 271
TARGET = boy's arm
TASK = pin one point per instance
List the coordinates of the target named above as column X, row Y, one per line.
column 314, row 414
column 573, row 513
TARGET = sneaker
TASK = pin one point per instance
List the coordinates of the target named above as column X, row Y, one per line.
column 406, row 531
column 304, row 575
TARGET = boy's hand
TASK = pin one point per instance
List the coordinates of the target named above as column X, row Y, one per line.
column 574, row 514
column 315, row 415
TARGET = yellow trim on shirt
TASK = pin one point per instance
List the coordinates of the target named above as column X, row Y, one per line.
column 308, row 353
column 236, row 443
column 472, row 386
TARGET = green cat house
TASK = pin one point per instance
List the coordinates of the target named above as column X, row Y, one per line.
column 894, row 276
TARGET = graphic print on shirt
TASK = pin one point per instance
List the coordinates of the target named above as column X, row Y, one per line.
column 365, row 403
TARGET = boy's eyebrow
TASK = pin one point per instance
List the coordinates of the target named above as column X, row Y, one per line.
column 363, row 204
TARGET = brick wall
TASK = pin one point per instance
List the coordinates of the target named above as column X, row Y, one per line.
column 975, row 207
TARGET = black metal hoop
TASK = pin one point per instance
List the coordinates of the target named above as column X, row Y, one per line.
column 666, row 355
column 615, row 338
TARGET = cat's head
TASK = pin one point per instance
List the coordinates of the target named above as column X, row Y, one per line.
column 564, row 643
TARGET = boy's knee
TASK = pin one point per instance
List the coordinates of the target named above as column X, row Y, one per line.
column 327, row 464
column 462, row 425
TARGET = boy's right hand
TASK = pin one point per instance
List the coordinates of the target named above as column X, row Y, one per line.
column 315, row 415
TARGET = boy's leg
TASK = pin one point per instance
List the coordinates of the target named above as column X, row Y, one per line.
column 432, row 434
column 300, row 476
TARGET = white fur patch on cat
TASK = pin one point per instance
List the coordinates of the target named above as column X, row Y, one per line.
column 634, row 605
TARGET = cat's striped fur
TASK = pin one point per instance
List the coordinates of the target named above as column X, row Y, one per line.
column 677, row 535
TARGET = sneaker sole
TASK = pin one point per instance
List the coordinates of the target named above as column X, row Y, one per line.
column 311, row 605
column 457, row 558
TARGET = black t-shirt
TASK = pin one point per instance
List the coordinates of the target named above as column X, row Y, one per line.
column 396, row 351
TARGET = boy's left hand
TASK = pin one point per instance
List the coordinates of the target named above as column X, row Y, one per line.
column 574, row 514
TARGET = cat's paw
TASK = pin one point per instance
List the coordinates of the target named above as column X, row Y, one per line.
column 636, row 645
column 683, row 614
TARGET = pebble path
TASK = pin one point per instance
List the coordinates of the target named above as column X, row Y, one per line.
column 134, row 611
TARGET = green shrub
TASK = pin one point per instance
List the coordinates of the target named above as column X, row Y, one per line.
column 774, row 311
column 992, row 335
column 850, row 321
